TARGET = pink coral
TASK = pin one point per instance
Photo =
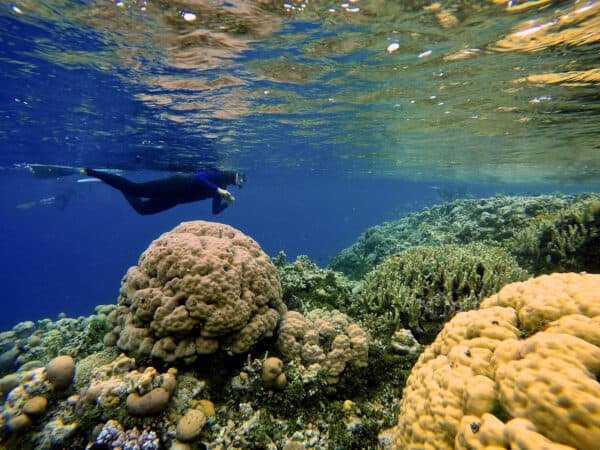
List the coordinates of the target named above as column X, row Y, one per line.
column 199, row 288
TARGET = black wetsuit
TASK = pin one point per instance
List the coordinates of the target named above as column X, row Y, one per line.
column 151, row 197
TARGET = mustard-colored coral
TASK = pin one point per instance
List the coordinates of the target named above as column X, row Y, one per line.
column 199, row 288
column 521, row 372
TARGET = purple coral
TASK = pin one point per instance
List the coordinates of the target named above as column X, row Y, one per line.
column 115, row 437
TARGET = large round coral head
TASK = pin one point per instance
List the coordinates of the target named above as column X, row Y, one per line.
column 522, row 372
column 197, row 289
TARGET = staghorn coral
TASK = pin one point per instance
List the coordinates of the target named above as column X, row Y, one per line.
column 199, row 288
column 520, row 372
column 422, row 287
column 323, row 341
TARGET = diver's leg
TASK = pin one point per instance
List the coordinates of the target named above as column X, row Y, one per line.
column 150, row 206
column 171, row 186
column 128, row 188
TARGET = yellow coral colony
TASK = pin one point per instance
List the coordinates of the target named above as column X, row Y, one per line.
column 522, row 372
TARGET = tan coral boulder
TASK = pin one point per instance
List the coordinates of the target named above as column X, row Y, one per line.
column 522, row 372
column 197, row 289
column 60, row 371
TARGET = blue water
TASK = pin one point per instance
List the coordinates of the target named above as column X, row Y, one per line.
column 332, row 138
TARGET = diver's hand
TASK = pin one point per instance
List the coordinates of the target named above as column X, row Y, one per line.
column 226, row 195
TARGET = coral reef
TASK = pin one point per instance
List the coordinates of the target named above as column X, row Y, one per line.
column 306, row 286
column 199, row 288
column 118, row 387
column 520, row 372
column 422, row 287
column 113, row 436
column 30, row 343
column 568, row 240
column 200, row 372
column 496, row 220
column 36, row 413
column 323, row 341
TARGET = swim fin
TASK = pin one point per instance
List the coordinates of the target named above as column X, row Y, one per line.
column 50, row 171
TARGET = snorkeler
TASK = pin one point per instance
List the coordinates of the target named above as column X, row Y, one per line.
column 151, row 197
column 154, row 196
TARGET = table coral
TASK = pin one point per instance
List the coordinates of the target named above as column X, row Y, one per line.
column 520, row 372
column 199, row 288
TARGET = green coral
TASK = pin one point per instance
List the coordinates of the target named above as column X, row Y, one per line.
column 40, row 342
column 568, row 241
column 306, row 286
column 422, row 287
column 491, row 220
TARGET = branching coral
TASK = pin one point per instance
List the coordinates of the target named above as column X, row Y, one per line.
column 566, row 241
column 420, row 288
column 491, row 220
column 306, row 286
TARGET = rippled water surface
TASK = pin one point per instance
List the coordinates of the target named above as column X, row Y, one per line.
column 484, row 91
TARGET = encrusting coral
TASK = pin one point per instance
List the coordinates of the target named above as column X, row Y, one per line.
column 197, row 289
column 521, row 372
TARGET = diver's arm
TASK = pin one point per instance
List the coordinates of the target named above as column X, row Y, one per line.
column 226, row 195
column 218, row 193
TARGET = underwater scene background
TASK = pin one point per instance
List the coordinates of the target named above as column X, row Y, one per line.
column 405, row 162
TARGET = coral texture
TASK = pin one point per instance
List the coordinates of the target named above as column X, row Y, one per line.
column 119, row 383
column 568, row 240
column 422, row 287
column 34, row 413
column 323, row 341
column 306, row 286
column 493, row 220
column 520, row 372
column 199, row 288
column 529, row 227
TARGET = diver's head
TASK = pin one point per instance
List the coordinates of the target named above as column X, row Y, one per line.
column 240, row 179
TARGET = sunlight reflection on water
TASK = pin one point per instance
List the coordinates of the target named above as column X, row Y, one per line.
column 409, row 88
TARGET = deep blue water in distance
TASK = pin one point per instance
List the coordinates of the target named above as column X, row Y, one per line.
column 71, row 260
column 327, row 132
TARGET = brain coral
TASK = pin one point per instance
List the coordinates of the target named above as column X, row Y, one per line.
column 199, row 288
column 522, row 372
